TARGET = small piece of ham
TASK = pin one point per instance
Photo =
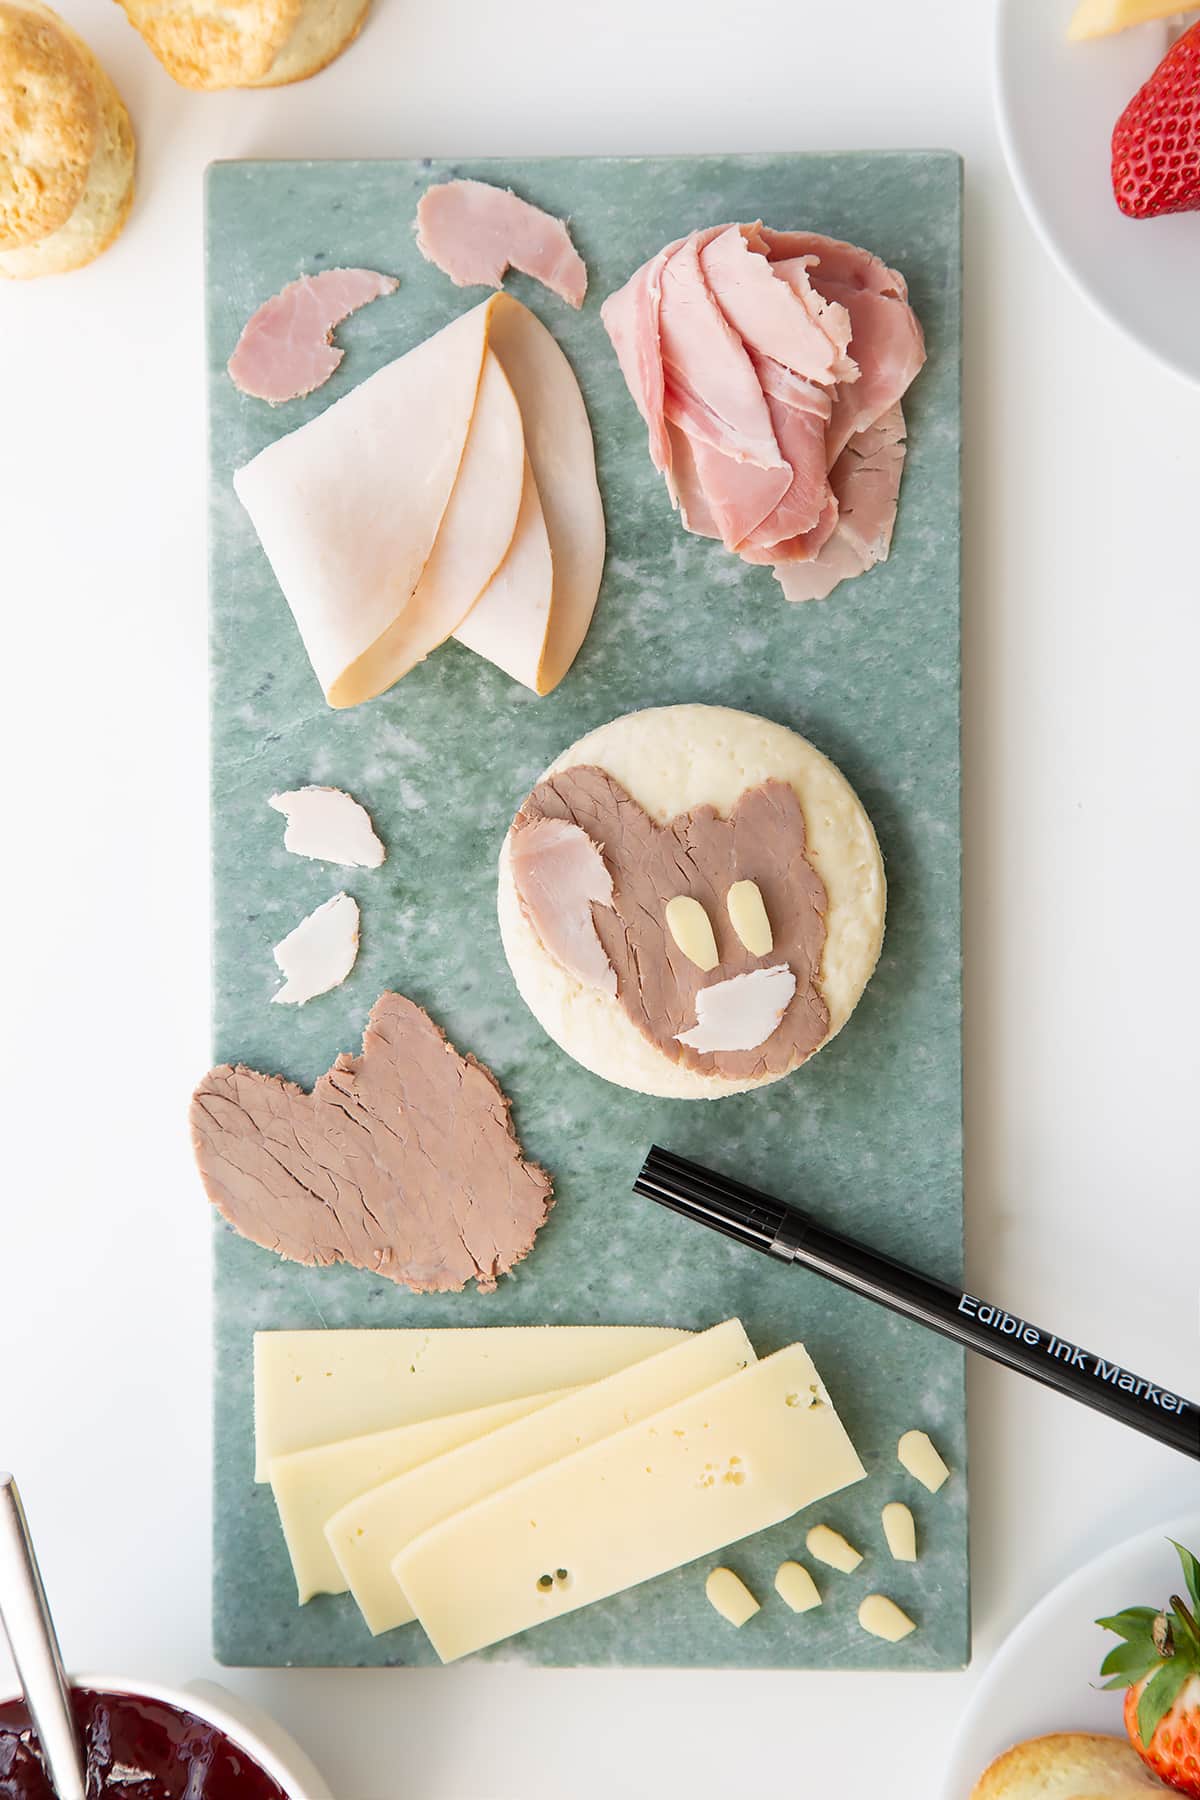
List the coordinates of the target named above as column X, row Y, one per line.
column 769, row 368
column 326, row 825
column 286, row 349
column 560, row 875
column 320, row 953
column 474, row 233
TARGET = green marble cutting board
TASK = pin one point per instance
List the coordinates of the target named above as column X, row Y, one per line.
column 869, row 1133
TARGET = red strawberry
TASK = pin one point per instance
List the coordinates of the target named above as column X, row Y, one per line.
column 1159, row 1663
column 1156, row 140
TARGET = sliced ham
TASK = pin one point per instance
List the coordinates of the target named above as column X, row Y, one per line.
column 474, row 233
column 286, row 348
column 866, row 483
column 769, row 368
column 788, row 321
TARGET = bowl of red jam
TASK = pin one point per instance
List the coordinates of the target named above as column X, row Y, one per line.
column 143, row 1742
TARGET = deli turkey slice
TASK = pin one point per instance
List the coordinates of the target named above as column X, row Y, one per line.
column 510, row 622
column 386, row 518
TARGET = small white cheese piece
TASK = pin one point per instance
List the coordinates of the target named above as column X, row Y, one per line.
column 730, row 1596
column 319, row 953
column 748, row 916
column 796, row 1587
column 922, row 1461
column 831, row 1548
column 900, row 1530
column 884, row 1619
column 692, row 930
column 741, row 1013
column 328, row 826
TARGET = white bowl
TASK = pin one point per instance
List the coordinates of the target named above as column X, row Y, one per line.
column 247, row 1726
column 1057, row 103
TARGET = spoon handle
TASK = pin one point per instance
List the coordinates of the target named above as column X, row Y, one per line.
column 34, row 1644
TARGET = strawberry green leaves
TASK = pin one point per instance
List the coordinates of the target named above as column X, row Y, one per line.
column 1160, row 1649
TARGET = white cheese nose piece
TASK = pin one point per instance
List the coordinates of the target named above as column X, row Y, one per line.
column 728, row 1594
column 328, row 826
column 831, row 1548
column 319, row 953
column 900, row 1530
column 741, row 1013
column 918, row 1455
column 884, row 1619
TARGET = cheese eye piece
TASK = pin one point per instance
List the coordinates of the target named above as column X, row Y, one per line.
column 748, row 916
column 900, row 1530
column 829, row 1546
column 689, row 925
column 730, row 1596
column 796, row 1587
column 922, row 1461
column 884, row 1619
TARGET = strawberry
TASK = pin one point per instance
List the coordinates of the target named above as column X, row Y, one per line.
column 1156, row 140
column 1158, row 1661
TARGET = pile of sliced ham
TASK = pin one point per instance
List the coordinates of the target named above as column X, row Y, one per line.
column 769, row 367
column 453, row 493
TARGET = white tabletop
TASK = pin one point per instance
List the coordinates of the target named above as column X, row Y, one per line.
column 1082, row 766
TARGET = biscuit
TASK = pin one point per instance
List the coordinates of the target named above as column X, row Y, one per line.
column 66, row 183
column 1068, row 1765
column 246, row 43
column 670, row 760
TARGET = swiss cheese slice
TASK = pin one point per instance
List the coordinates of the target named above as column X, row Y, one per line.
column 702, row 1474
column 372, row 1530
column 312, row 1485
column 510, row 622
column 316, row 1387
column 348, row 507
column 558, row 440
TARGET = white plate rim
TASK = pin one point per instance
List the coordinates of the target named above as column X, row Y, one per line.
column 1015, row 161
column 1184, row 1527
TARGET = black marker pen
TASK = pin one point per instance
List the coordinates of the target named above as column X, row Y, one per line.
column 767, row 1224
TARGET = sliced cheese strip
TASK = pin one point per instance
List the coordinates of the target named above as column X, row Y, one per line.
column 728, row 1594
column 348, row 507
column 558, row 439
column 373, row 1530
column 312, row 1485
column 700, row 1475
column 472, row 542
column 316, row 1387
column 510, row 622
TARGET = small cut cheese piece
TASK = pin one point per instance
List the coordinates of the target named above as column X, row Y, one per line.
column 918, row 1455
column 317, row 1387
column 796, row 1587
column 900, row 1530
column 728, row 1594
column 328, row 826
column 311, row 1485
column 702, row 1474
column 831, row 1548
column 319, row 953
column 884, row 1619
column 748, row 916
column 692, row 930
column 371, row 1532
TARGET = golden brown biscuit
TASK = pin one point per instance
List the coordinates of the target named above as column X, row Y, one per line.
column 246, row 43
column 66, row 172
column 1069, row 1765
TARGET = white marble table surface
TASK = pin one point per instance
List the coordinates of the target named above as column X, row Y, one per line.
column 1082, row 765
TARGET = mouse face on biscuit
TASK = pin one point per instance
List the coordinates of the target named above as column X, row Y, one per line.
column 708, row 932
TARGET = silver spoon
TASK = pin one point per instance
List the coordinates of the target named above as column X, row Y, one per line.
column 34, row 1644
